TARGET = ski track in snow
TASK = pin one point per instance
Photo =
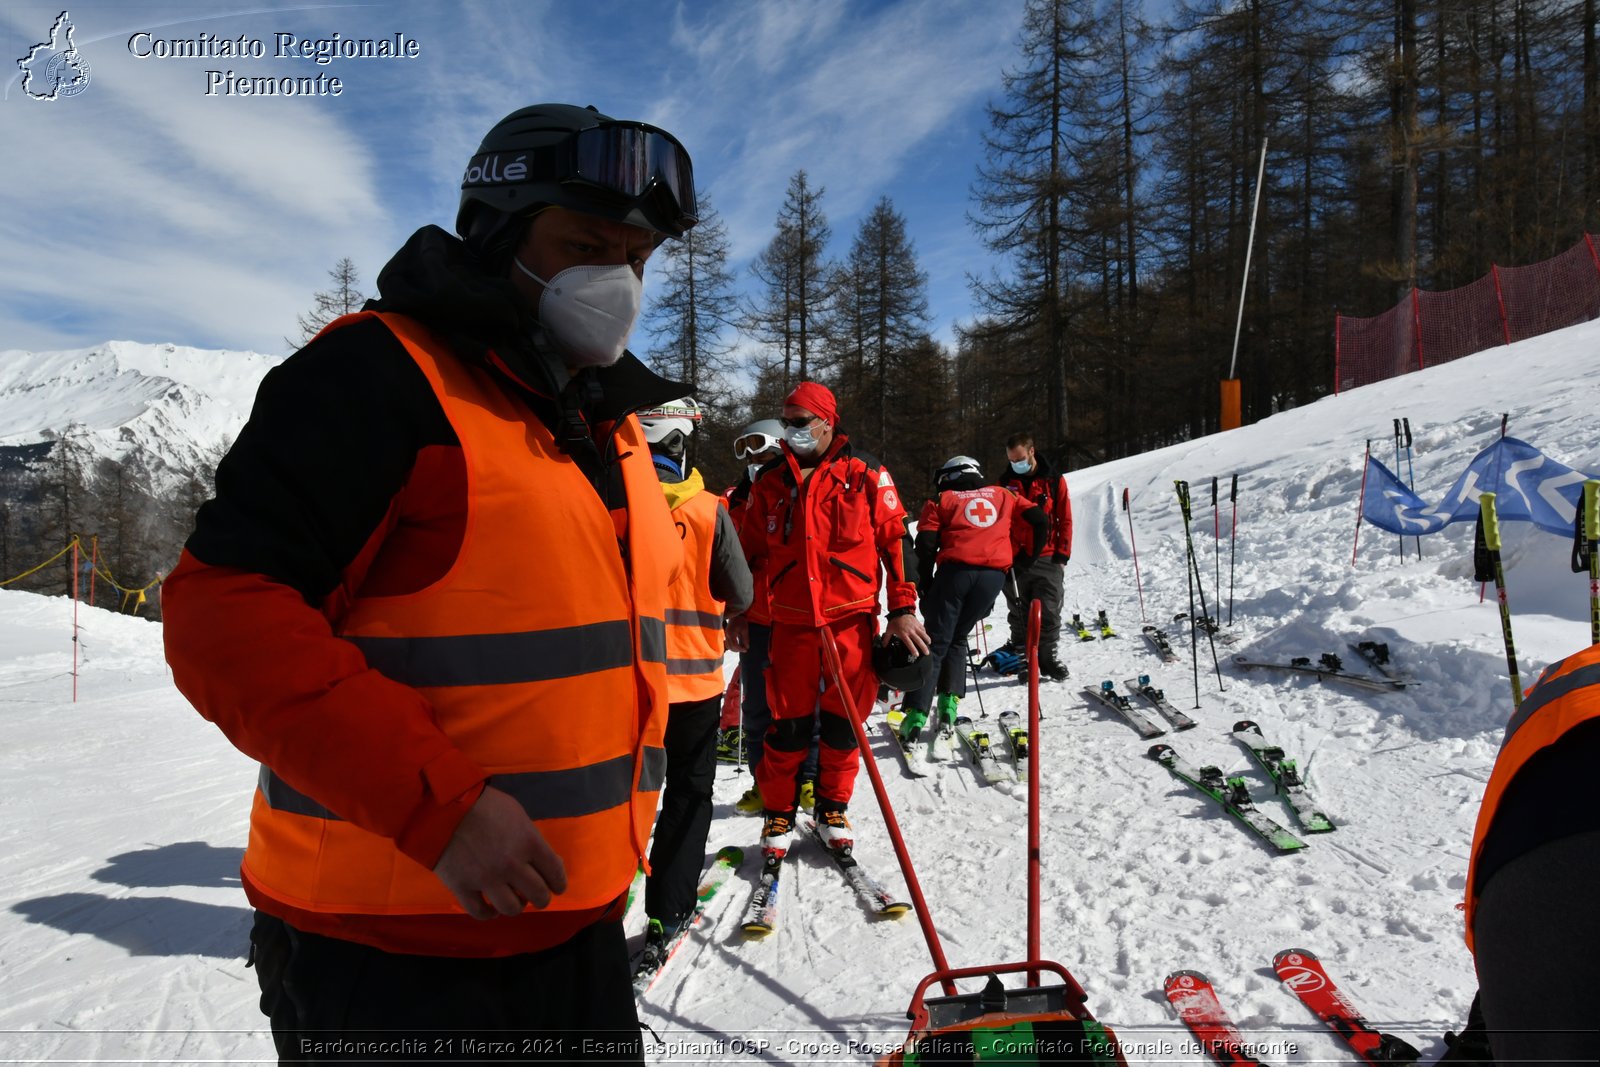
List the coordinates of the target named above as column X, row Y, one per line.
column 124, row 928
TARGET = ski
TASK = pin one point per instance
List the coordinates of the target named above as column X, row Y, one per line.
column 1230, row 793
column 1017, row 738
column 977, row 742
column 1082, row 628
column 1158, row 697
column 913, row 755
column 647, row 965
column 730, row 745
column 1207, row 625
column 1195, row 1000
column 1377, row 654
column 1107, row 694
column 942, row 746
column 868, row 888
column 634, row 887
column 1162, row 644
column 1303, row 973
column 1285, row 776
column 1105, row 625
column 761, row 913
column 1329, row 668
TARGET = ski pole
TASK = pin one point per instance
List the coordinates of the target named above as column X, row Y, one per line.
column 1233, row 539
column 1411, row 475
column 1361, row 502
column 1487, row 564
column 1591, row 553
column 1137, row 581
column 1035, row 897
column 1200, row 585
column 977, row 690
column 1216, row 547
column 1397, row 471
column 831, row 653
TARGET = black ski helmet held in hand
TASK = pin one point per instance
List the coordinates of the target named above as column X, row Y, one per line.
column 897, row 666
column 577, row 158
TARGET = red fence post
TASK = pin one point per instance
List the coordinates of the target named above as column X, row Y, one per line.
column 1500, row 298
column 1336, row 318
column 1416, row 323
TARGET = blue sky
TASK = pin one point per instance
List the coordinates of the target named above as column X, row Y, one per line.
column 144, row 209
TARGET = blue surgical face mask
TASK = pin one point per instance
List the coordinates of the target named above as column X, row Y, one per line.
column 804, row 442
column 1022, row 466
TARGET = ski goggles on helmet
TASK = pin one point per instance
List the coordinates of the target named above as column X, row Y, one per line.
column 753, row 444
column 634, row 160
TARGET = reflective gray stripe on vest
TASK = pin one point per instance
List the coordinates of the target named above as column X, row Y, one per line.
column 1545, row 692
column 709, row 620
column 504, row 659
column 652, row 640
column 281, row 796
column 560, row 794
column 693, row 666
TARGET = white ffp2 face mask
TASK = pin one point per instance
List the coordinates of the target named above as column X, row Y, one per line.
column 589, row 311
column 802, row 441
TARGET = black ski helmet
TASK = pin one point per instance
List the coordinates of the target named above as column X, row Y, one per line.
column 897, row 666
column 577, row 158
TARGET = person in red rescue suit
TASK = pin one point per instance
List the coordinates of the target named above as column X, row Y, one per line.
column 1531, row 920
column 823, row 524
column 1032, row 479
column 970, row 530
column 715, row 579
column 430, row 598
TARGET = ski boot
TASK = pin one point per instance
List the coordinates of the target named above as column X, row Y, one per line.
column 807, row 797
column 1052, row 668
column 833, row 826
column 911, row 725
column 947, row 703
column 775, row 833
column 750, row 803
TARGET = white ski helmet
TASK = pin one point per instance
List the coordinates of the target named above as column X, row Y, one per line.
column 763, row 435
column 957, row 467
column 675, row 416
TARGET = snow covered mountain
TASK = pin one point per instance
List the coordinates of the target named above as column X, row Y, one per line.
column 123, row 930
column 178, row 406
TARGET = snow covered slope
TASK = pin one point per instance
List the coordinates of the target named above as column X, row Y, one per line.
column 123, row 929
column 175, row 404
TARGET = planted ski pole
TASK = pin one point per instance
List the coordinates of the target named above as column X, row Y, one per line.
column 1207, row 623
column 1137, row 581
column 1216, row 547
column 1586, row 551
column 1188, row 572
column 1397, row 470
column 1233, row 539
column 1486, row 561
column 1361, row 502
column 977, row 690
column 830, row 652
column 1411, row 476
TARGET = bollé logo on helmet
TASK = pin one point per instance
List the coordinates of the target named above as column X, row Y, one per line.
column 486, row 170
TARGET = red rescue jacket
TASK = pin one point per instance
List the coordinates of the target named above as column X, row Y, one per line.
column 820, row 539
column 1049, row 490
column 977, row 526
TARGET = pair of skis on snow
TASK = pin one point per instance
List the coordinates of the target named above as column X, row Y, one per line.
column 1231, row 793
column 1195, row 1000
column 1100, row 620
column 1146, row 690
column 761, row 912
column 1330, row 667
column 999, row 755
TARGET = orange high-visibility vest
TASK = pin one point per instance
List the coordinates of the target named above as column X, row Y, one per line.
column 694, row 616
column 540, row 651
column 1566, row 694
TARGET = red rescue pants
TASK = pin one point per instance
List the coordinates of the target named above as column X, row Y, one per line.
column 797, row 674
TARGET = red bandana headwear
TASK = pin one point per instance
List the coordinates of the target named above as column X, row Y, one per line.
column 817, row 399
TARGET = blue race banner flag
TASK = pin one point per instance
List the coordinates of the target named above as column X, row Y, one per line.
column 1529, row 487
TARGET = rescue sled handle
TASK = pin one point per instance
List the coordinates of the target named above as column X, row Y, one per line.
column 1076, row 999
column 1035, row 900
column 918, row 901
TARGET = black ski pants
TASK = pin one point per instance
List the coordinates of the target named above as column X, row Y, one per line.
column 755, row 714
column 1043, row 582
column 334, row 1001
column 678, row 854
column 961, row 596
